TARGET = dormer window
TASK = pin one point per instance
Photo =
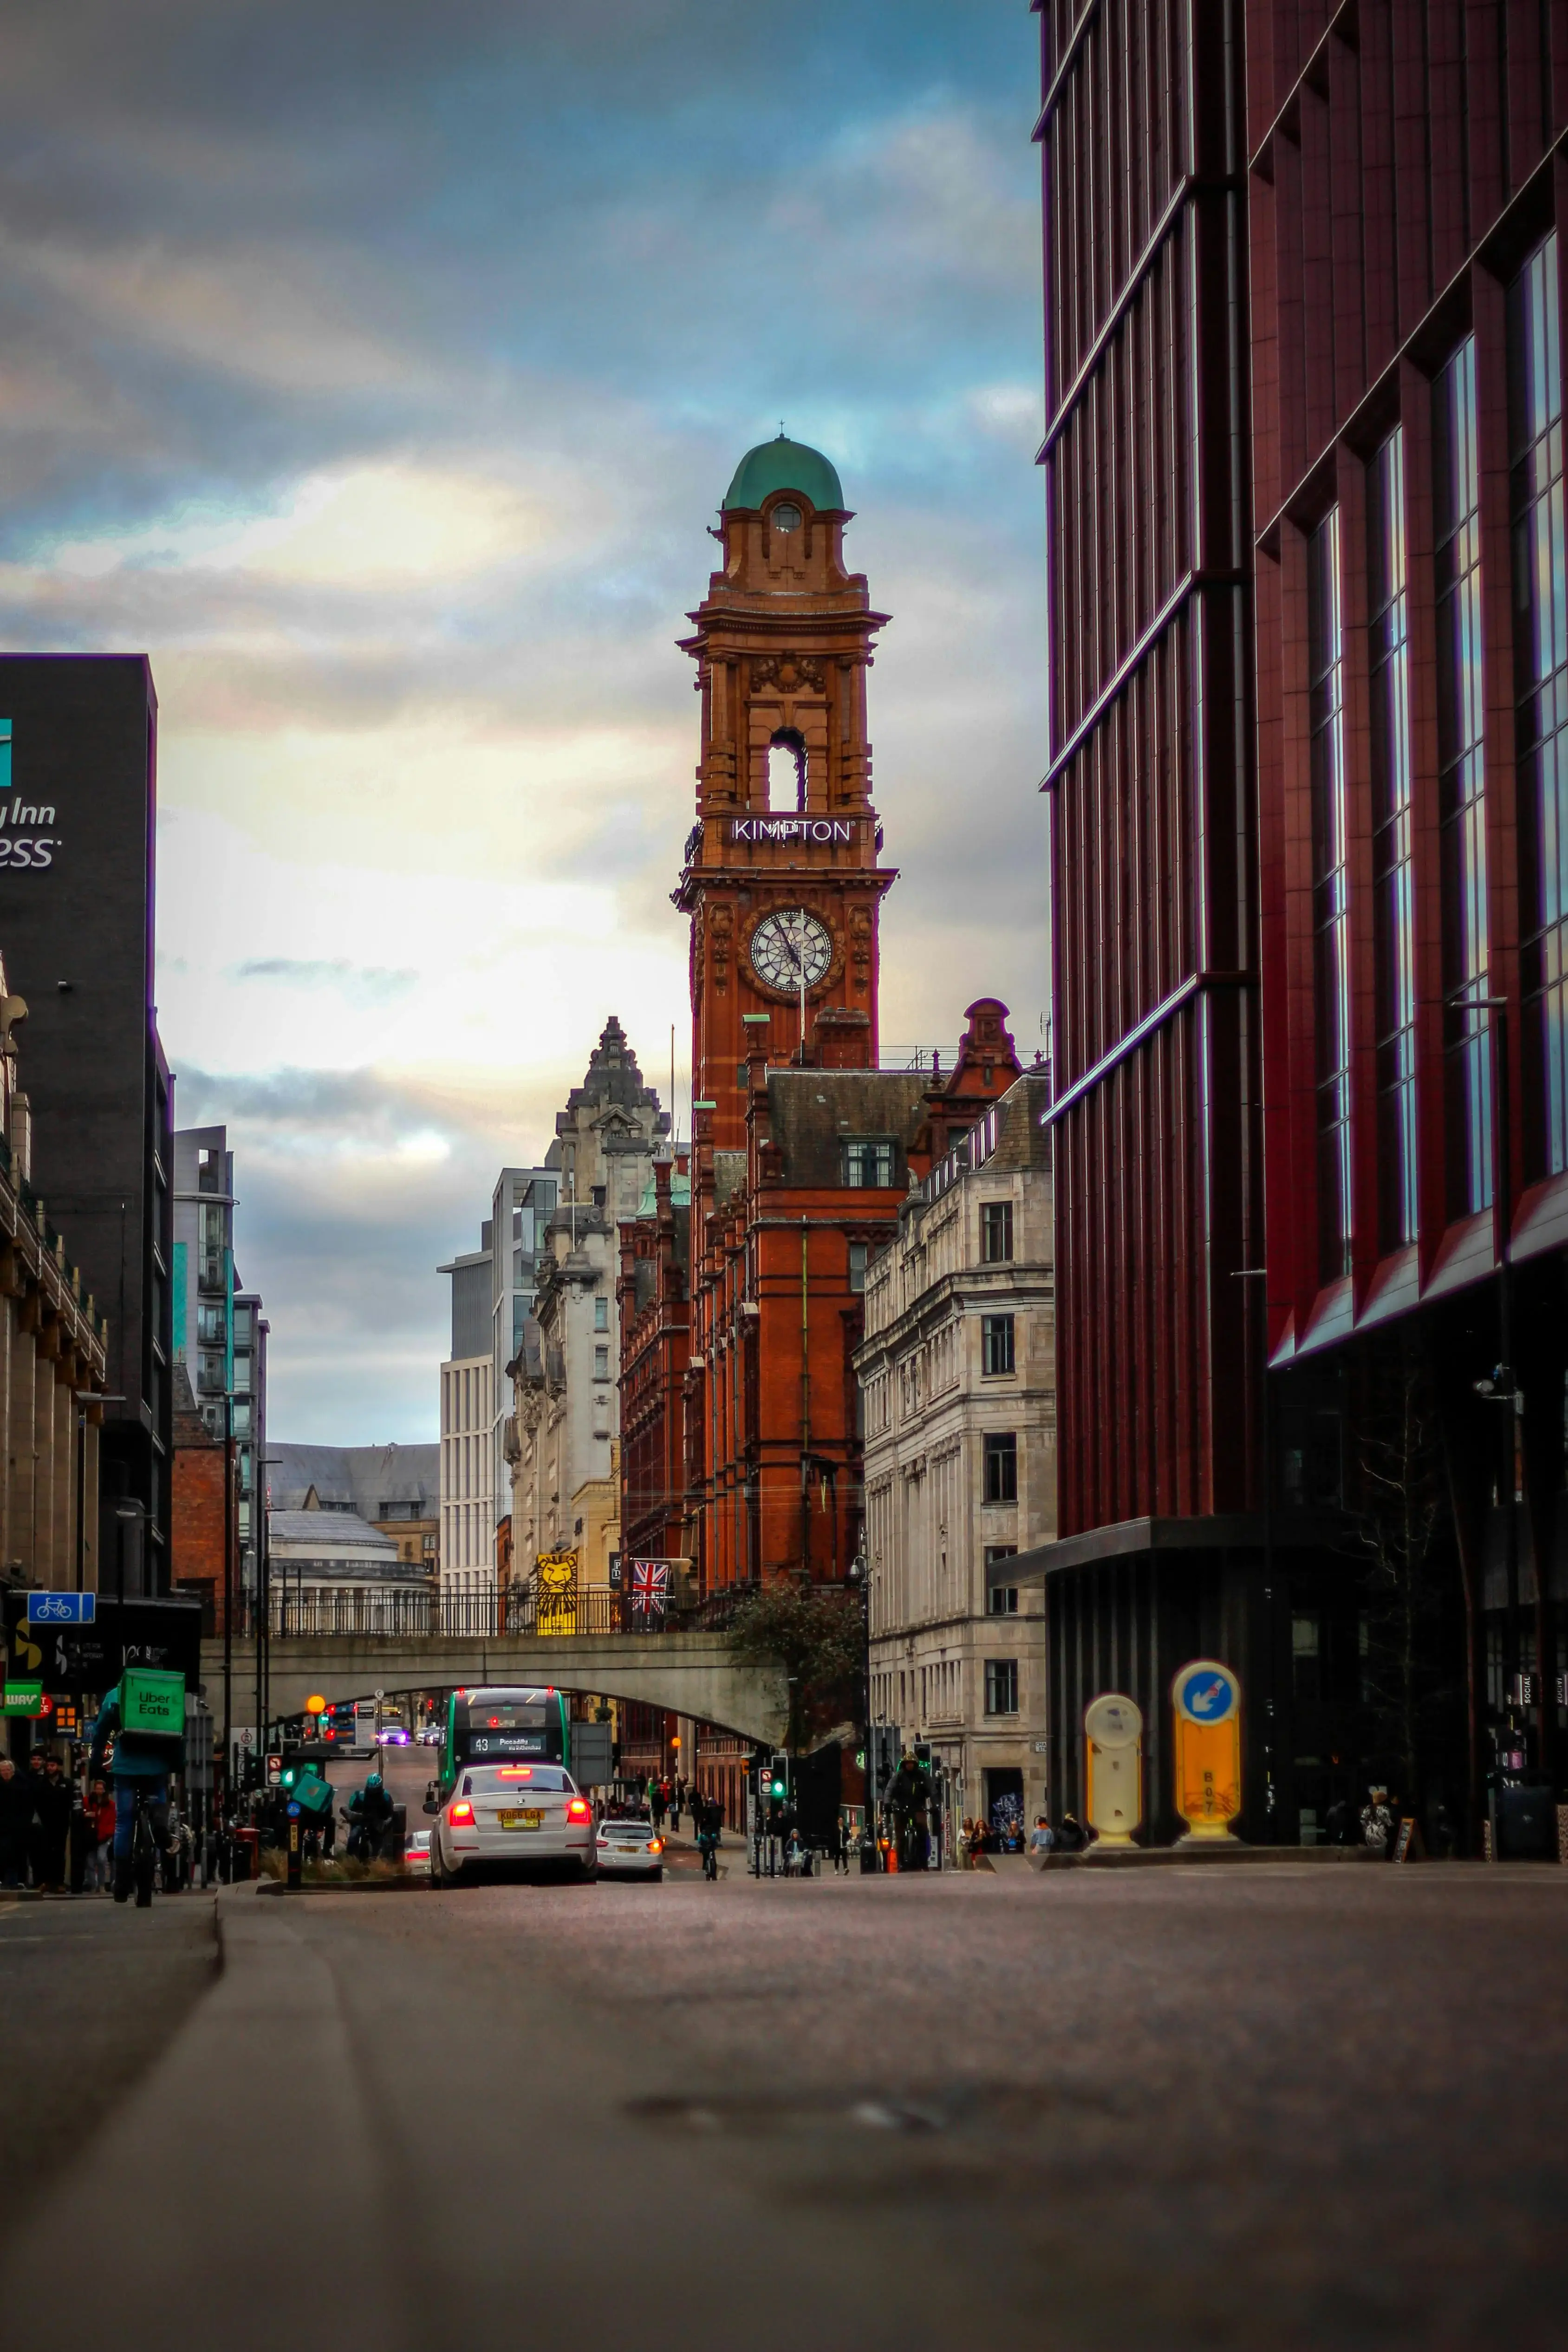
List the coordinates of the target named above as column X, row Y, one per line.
column 787, row 516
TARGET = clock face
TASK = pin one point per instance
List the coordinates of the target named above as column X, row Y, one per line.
column 791, row 948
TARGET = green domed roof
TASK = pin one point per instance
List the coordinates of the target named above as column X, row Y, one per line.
column 784, row 465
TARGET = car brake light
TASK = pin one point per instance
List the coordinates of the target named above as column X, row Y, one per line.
column 578, row 1809
column 462, row 1814
column 655, row 1846
column 517, row 1772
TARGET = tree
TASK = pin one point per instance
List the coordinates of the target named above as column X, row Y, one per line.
column 817, row 1638
column 1400, row 1527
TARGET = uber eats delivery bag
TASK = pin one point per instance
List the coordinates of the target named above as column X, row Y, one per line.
column 152, row 1702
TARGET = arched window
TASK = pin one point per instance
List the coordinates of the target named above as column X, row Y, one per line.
column 786, row 771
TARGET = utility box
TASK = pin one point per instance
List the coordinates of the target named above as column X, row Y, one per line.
column 590, row 1754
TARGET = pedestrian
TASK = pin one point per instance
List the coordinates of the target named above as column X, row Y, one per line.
column 15, row 1813
column 1041, row 1838
column 656, row 1803
column 52, row 1801
column 1071, row 1837
column 1376, row 1820
column 676, row 1808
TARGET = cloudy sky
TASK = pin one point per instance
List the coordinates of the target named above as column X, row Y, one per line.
column 376, row 368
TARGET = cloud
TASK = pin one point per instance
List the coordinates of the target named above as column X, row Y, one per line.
column 361, row 983
column 378, row 369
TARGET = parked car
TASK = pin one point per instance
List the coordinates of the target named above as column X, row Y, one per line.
column 416, row 1854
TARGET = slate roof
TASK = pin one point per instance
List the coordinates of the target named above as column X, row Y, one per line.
column 358, row 1479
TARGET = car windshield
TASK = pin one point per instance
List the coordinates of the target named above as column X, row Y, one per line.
column 521, row 1781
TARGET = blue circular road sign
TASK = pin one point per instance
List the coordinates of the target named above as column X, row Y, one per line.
column 1208, row 1694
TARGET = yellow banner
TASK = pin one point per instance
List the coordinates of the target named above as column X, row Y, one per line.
column 555, row 1593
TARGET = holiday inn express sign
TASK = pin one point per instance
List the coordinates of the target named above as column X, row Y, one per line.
column 18, row 848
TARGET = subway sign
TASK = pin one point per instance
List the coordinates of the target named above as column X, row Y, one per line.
column 23, row 839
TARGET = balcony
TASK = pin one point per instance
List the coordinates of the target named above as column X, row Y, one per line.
column 211, row 1277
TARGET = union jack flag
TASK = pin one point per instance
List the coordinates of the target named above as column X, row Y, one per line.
column 650, row 1589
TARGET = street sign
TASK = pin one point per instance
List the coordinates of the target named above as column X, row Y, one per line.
column 62, row 1608
column 1206, row 1700
column 246, row 1737
column 1113, row 1737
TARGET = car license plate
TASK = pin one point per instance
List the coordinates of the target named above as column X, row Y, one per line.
column 528, row 1819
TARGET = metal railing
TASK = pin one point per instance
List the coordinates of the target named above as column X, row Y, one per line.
column 424, row 1616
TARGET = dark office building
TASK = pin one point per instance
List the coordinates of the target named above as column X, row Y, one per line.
column 1309, row 839
column 78, row 766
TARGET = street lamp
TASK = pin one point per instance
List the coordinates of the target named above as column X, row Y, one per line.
column 858, row 1574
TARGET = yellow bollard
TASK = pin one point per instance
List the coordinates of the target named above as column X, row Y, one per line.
column 1206, row 1700
column 1114, row 1761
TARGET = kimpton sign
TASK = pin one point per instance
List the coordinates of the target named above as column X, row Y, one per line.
column 792, row 828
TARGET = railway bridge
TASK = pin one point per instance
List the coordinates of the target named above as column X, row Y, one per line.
column 694, row 1673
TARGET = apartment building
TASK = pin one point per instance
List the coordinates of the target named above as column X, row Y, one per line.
column 957, row 1379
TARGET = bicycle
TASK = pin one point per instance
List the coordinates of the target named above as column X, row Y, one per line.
column 144, row 1850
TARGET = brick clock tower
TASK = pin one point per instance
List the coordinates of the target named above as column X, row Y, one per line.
column 784, row 893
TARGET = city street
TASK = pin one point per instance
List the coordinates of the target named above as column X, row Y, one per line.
column 1290, row 2106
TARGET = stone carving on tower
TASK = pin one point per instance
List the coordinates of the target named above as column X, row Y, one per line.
column 783, row 898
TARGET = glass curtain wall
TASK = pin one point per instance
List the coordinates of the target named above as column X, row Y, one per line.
column 1330, row 897
column 1462, row 785
column 1395, row 921
column 1540, row 645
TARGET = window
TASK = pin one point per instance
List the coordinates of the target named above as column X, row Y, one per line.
column 601, row 1363
column 1001, row 1466
column 1393, row 847
column 1540, row 649
column 860, row 1253
column 996, row 1233
column 1001, row 1686
column 996, row 1345
column 1331, row 911
column 1001, row 1599
column 602, row 1315
column 1462, row 782
column 868, row 1164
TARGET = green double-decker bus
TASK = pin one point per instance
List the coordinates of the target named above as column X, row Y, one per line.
column 504, row 1726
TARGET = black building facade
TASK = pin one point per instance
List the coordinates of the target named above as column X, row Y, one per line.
column 78, row 864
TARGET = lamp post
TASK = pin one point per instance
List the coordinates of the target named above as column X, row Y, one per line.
column 858, row 1575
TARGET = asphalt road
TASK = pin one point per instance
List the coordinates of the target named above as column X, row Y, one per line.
column 1274, row 2107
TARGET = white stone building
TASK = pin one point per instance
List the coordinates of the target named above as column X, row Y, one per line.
column 564, row 1375
column 957, row 1374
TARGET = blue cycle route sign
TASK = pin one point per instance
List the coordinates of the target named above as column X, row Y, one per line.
column 1207, row 1696
column 62, row 1608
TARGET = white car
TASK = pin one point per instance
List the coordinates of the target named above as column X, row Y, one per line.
column 629, row 1850
column 524, row 1814
column 416, row 1854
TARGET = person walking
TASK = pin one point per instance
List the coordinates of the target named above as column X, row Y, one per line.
column 15, row 1813
column 656, row 1804
column 674, row 1808
column 51, row 1825
column 100, row 1829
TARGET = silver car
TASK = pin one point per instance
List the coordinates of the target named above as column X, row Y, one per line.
column 522, row 1814
column 629, row 1850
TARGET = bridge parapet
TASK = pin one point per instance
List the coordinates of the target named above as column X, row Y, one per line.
column 692, row 1674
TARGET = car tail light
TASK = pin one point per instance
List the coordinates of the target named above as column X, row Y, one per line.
column 578, row 1809
column 462, row 1815
column 655, row 1846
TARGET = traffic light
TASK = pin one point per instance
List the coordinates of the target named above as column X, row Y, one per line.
column 290, row 1774
column 779, row 1779
column 923, row 1754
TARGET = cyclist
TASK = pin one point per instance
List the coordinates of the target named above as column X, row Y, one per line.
column 139, row 1769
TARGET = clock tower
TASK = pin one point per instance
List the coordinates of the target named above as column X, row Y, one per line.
column 781, row 878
